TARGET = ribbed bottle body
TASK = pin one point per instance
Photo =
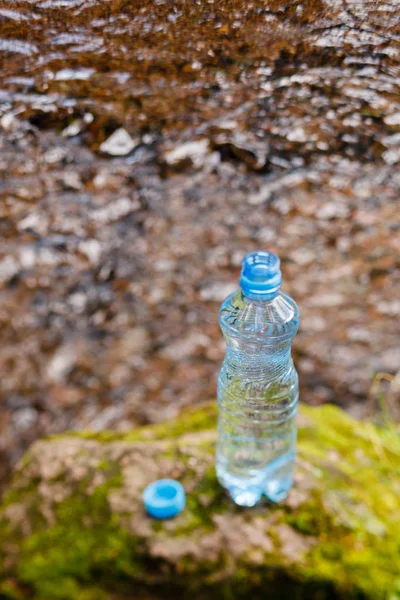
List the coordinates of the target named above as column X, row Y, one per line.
column 257, row 399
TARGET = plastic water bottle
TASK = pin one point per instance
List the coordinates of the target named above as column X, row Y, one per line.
column 257, row 385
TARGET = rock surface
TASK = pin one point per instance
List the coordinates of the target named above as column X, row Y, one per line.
column 73, row 527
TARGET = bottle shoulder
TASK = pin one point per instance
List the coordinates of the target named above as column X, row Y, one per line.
column 278, row 317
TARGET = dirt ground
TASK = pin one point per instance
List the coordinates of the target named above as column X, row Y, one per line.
column 144, row 150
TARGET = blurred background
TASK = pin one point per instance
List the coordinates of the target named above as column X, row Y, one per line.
column 146, row 146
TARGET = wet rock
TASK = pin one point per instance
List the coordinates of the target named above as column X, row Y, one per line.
column 9, row 122
column 115, row 210
column 24, row 418
column 389, row 360
column 69, row 74
column 92, row 249
column 389, row 307
column 359, row 334
column 274, row 185
column 393, row 119
column 78, row 302
column 61, row 363
column 252, row 152
column 392, row 156
column 106, row 418
column 9, row 267
column 120, row 143
column 54, row 155
column 187, row 154
column 333, row 210
column 72, row 129
column 391, row 140
column 71, row 181
column 185, row 347
column 27, row 257
column 303, row 256
column 18, row 47
column 314, row 323
column 324, row 300
column 64, row 396
column 217, row 291
column 133, row 341
column 298, row 134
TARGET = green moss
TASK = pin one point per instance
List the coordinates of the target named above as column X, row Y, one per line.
column 190, row 421
column 359, row 543
column 86, row 539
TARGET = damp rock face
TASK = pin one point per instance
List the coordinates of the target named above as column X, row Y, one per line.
column 147, row 147
column 119, row 143
column 73, row 527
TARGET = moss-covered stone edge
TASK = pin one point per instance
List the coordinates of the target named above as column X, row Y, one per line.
column 353, row 512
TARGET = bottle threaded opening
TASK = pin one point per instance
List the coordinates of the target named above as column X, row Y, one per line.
column 261, row 275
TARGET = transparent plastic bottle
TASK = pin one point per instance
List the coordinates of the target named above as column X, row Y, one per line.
column 257, row 386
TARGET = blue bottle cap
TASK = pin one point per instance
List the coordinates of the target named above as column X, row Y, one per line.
column 164, row 498
column 261, row 275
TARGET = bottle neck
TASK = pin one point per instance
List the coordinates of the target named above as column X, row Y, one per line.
column 259, row 298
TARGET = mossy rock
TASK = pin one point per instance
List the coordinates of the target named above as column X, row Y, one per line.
column 73, row 527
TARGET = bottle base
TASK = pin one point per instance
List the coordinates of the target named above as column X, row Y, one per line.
column 273, row 482
column 244, row 497
column 277, row 490
column 244, row 491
